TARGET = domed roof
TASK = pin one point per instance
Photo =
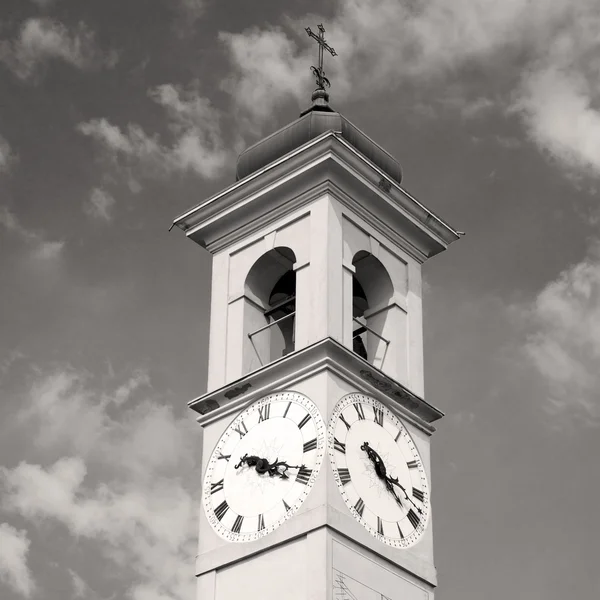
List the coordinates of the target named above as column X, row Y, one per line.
column 311, row 124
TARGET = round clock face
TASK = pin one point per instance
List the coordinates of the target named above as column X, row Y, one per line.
column 378, row 470
column 264, row 466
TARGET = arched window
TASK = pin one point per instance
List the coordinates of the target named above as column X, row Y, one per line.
column 281, row 312
column 359, row 306
column 372, row 290
column 269, row 314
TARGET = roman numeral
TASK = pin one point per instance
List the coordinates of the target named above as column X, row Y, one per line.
column 412, row 517
column 344, row 475
column 379, row 526
column 224, row 456
column 398, row 435
column 339, row 446
column 287, row 408
column 359, row 507
column 344, row 421
column 240, row 428
column 221, row 510
column 412, row 464
column 304, row 421
column 303, row 475
column 359, row 411
column 237, row 525
column 418, row 494
column 216, row 487
column 312, row 445
column 378, row 416
column 286, row 505
column 400, row 531
column 264, row 412
column 261, row 522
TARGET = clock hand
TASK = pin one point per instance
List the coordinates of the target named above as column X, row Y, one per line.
column 391, row 489
column 381, row 472
column 380, row 469
column 262, row 465
column 395, row 481
column 274, row 470
column 251, row 461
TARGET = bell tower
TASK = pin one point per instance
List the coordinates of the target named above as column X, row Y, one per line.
column 316, row 291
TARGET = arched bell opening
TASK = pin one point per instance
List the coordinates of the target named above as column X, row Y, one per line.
column 372, row 290
column 281, row 312
column 359, row 306
column 269, row 315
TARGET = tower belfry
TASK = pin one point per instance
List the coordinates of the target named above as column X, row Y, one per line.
column 315, row 456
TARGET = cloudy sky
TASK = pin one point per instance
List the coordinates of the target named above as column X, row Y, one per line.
column 117, row 115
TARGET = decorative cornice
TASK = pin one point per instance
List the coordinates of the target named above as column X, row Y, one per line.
column 282, row 186
column 327, row 354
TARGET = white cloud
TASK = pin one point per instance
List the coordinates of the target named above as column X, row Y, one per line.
column 63, row 396
column 383, row 43
column 380, row 44
column 49, row 250
column 79, row 418
column 141, row 512
column 133, row 146
column 559, row 95
column 269, row 70
column 476, row 108
column 560, row 114
column 99, row 205
column 108, row 134
column 80, row 587
column 42, row 248
column 44, row 39
column 125, row 391
column 196, row 132
column 14, row 571
column 198, row 146
column 6, row 364
column 6, row 155
column 564, row 346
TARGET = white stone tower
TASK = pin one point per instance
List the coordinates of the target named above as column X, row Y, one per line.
column 316, row 305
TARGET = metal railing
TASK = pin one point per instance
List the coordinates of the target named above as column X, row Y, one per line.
column 262, row 329
column 364, row 328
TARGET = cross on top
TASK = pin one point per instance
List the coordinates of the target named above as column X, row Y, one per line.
column 319, row 73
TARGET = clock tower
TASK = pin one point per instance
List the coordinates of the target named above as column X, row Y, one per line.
column 316, row 479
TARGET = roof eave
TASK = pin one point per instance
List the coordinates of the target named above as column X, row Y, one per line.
column 190, row 220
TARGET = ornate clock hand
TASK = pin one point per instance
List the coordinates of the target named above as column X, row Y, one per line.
column 381, row 471
column 251, row 461
column 283, row 474
column 376, row 460
column 395, row 481
column 262, row 465
column 391, row 489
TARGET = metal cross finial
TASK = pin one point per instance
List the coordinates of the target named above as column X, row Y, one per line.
column 319, row 73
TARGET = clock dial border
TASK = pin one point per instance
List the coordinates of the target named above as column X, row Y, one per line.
column 340, row 424
column 294, row 407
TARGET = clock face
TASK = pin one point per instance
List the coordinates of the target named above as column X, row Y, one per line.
column 378, row 470
column 264, row 466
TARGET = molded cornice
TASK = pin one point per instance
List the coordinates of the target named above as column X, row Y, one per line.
column 326, row 163
column 327, row 354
